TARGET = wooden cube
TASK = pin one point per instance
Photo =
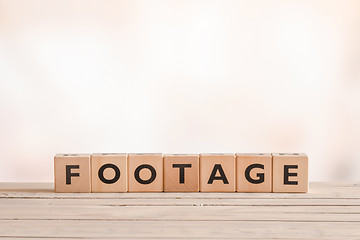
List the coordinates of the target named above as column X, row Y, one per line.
column 145, row 172
column 217, row 172
column 290, row 172
column 109, row 172
column 254, row 172
column 72, row 173
column 181, row 173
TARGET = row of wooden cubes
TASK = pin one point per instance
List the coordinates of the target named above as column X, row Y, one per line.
column 155, row 172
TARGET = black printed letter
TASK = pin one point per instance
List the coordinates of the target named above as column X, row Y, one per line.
column 182, row 171
column 101, row 173
column 137, row 174
column 287, row 174
column 69, row 174
column 259, row 175
column 222, row 176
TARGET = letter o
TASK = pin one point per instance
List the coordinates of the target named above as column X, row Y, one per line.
column 101, row 173
column 137, row 174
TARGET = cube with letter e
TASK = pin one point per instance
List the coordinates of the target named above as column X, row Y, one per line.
column 290, row 172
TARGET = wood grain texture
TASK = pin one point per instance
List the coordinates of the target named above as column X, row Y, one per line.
column 217, row 172
column 259, row 166
column 181, row 173
column 110, row 166
column 146, row 172
column 78, row 167
column 33, row 211
column 290, row 172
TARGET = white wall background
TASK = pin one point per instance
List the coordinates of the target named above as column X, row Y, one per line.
column 179, row 76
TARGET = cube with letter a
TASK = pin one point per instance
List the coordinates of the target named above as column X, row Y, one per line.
column 72, row 173
column 217, row 172
column 290, row 172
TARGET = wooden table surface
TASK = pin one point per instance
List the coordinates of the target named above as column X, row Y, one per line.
column 33, row 210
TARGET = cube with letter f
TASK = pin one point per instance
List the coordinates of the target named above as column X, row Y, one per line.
column 72, row 173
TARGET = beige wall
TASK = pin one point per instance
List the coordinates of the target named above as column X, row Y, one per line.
column 179, row 76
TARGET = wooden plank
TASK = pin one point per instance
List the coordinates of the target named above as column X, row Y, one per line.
column 189, row 202
column 33, row 210
column 171, row 213
column 177, row 229
column 244, row 209
column 316, row 191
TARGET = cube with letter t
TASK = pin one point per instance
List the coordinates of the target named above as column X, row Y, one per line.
column 181, row 173
column 72, row 173
column 290, row 172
